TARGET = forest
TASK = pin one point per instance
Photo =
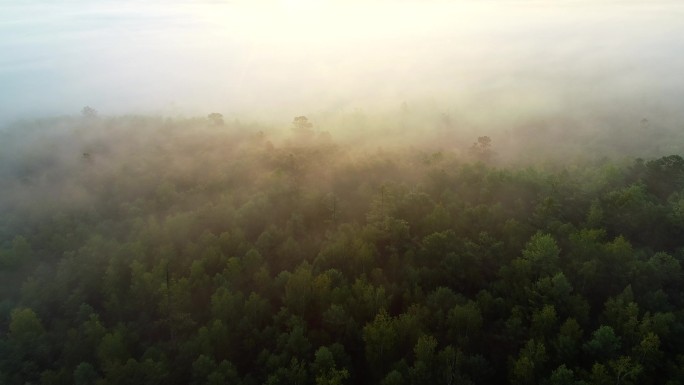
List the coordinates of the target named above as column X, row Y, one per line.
column 153, row 250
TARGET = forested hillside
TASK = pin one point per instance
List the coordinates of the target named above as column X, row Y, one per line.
column 137, row 250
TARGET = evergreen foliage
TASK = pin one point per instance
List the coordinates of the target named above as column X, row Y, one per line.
column 199, row 253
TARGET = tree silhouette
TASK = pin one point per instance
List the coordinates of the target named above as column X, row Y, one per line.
column 215, row 118
column 302, row 126
column 89, row 112
column 482, row 148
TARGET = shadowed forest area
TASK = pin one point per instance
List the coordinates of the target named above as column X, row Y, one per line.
column 149, row 250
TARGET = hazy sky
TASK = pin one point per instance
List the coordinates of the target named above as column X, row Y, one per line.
column 290, row 57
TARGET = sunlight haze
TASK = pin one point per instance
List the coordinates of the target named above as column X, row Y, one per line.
column 330, row 192
column 280, row 58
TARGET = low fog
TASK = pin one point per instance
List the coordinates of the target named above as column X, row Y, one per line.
column 341, row 192
column 567, row 82
column 488, row 63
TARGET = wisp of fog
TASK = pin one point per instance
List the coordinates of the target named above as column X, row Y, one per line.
column 488, row 62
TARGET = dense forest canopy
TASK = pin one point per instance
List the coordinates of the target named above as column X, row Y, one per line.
column 149, row 250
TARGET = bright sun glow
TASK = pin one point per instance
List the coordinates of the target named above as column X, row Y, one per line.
column 247, row 54
column 301, row 4
column 331, row 21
